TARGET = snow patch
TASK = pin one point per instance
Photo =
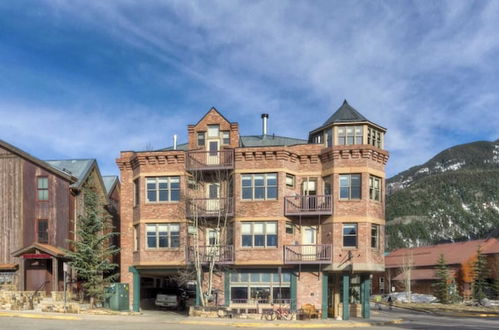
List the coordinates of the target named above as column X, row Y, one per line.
column 415, row 297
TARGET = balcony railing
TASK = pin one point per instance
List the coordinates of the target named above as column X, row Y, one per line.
column 308, row 205
column 210, row 160
column 221, row 254
column 308, row 254
column 210, row 207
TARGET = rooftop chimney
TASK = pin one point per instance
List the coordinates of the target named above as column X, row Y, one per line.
column 174, row 141
column 265, row 119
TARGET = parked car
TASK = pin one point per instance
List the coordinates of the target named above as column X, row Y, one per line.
column 168, row 300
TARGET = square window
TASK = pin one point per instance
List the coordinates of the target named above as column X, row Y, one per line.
column 290, row 180
column 213, row 130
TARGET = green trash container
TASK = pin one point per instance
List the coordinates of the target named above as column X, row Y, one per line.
column 117, row 297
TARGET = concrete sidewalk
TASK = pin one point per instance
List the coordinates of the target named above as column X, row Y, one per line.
column 378, row 319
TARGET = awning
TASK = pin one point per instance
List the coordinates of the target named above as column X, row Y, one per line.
column 41, row 249
column 8, row 267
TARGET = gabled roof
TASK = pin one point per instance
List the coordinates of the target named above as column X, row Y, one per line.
column 212, row 109
column 454, row 253
column 39, row 162
column 110, row 181
column 79, row 168
column 46, row 248
column 268, row 141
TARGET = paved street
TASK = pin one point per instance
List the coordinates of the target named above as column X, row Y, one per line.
column 153, row 321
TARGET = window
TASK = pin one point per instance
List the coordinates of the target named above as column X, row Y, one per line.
column 290, row 229
column 136, row 237
column 327, row 185
column 43, row 188
column 381, row 284
column 290, row 180
column 317, row 138
column 374, row 137
column 374, row 188
column 213, row 131
column 136, row 189
column 163, row 189
column 163, row 235
column 259, row 186
column 201, row 139
column 259, row 234
column 374, row 236
column 261, row 287
column 329, row 137
column 42, row 230
column 350, row 186
column 348, row 135
column 349, row 235
column 225, row 137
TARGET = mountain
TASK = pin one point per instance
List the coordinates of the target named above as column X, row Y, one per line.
column 453, row 196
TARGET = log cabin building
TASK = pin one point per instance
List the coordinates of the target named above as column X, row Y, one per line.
column 39, row 204
column 305, row 218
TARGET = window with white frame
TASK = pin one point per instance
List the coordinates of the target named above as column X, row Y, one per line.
column 350, row 235
column 163, row 189
column 225, row 137
column 259, row 186
column 290, row 180
column 201, row 139
column 374, row 188
column 350, row 186
column 163, row 235
column 259, row 234
column 374, row 137
column 214, row 131
column 348, row 135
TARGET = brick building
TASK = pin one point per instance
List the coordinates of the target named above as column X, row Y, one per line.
column 305, row 218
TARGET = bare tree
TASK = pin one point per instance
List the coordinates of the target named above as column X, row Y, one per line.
column 407, row 267
column 209, row 205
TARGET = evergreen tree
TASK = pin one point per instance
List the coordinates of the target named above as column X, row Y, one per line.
column 91, row 258
column 442, row 284
column 480, row 274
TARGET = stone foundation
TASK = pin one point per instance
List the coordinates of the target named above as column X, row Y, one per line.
column 20, row 300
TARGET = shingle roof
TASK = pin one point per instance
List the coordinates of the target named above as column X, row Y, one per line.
column 454, row 253
column 78, row 168
column 109, row 182
column 345, row 114
column 268, row 141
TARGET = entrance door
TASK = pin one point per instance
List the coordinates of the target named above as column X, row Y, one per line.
column 212, row 244
column 213, row 195
column 213, row 154
column 39, row 275
column 309, row 241
column 309, row 190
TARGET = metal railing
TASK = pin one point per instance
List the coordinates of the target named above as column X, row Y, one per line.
column 308, row 205
column 222, row 254
column 206, row 160
column 210, row 207
column 308, row 253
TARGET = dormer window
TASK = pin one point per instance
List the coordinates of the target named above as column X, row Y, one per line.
column 317, row 139
column 213, row 131
column 348, row 135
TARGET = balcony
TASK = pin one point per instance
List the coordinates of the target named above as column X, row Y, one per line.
column 308, row 254
column 210, row 207
column 221, row 254
column 308, row 205
column 210, row 160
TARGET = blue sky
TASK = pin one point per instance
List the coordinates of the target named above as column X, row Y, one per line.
column 86, row 79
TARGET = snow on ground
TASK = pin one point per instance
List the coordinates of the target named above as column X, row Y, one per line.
column 415, row 297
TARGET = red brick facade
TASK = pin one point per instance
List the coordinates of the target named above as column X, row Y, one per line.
column 315, row 278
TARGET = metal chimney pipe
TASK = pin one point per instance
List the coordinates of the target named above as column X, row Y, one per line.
column 265, row 119
column 174, row 141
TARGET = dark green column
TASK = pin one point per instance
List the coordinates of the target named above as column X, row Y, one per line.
column 198, row 295
column 325, row 297
column 227, row 288
column 366, row 288
column 136, row 288
column 346, row 296
column 293, row 285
